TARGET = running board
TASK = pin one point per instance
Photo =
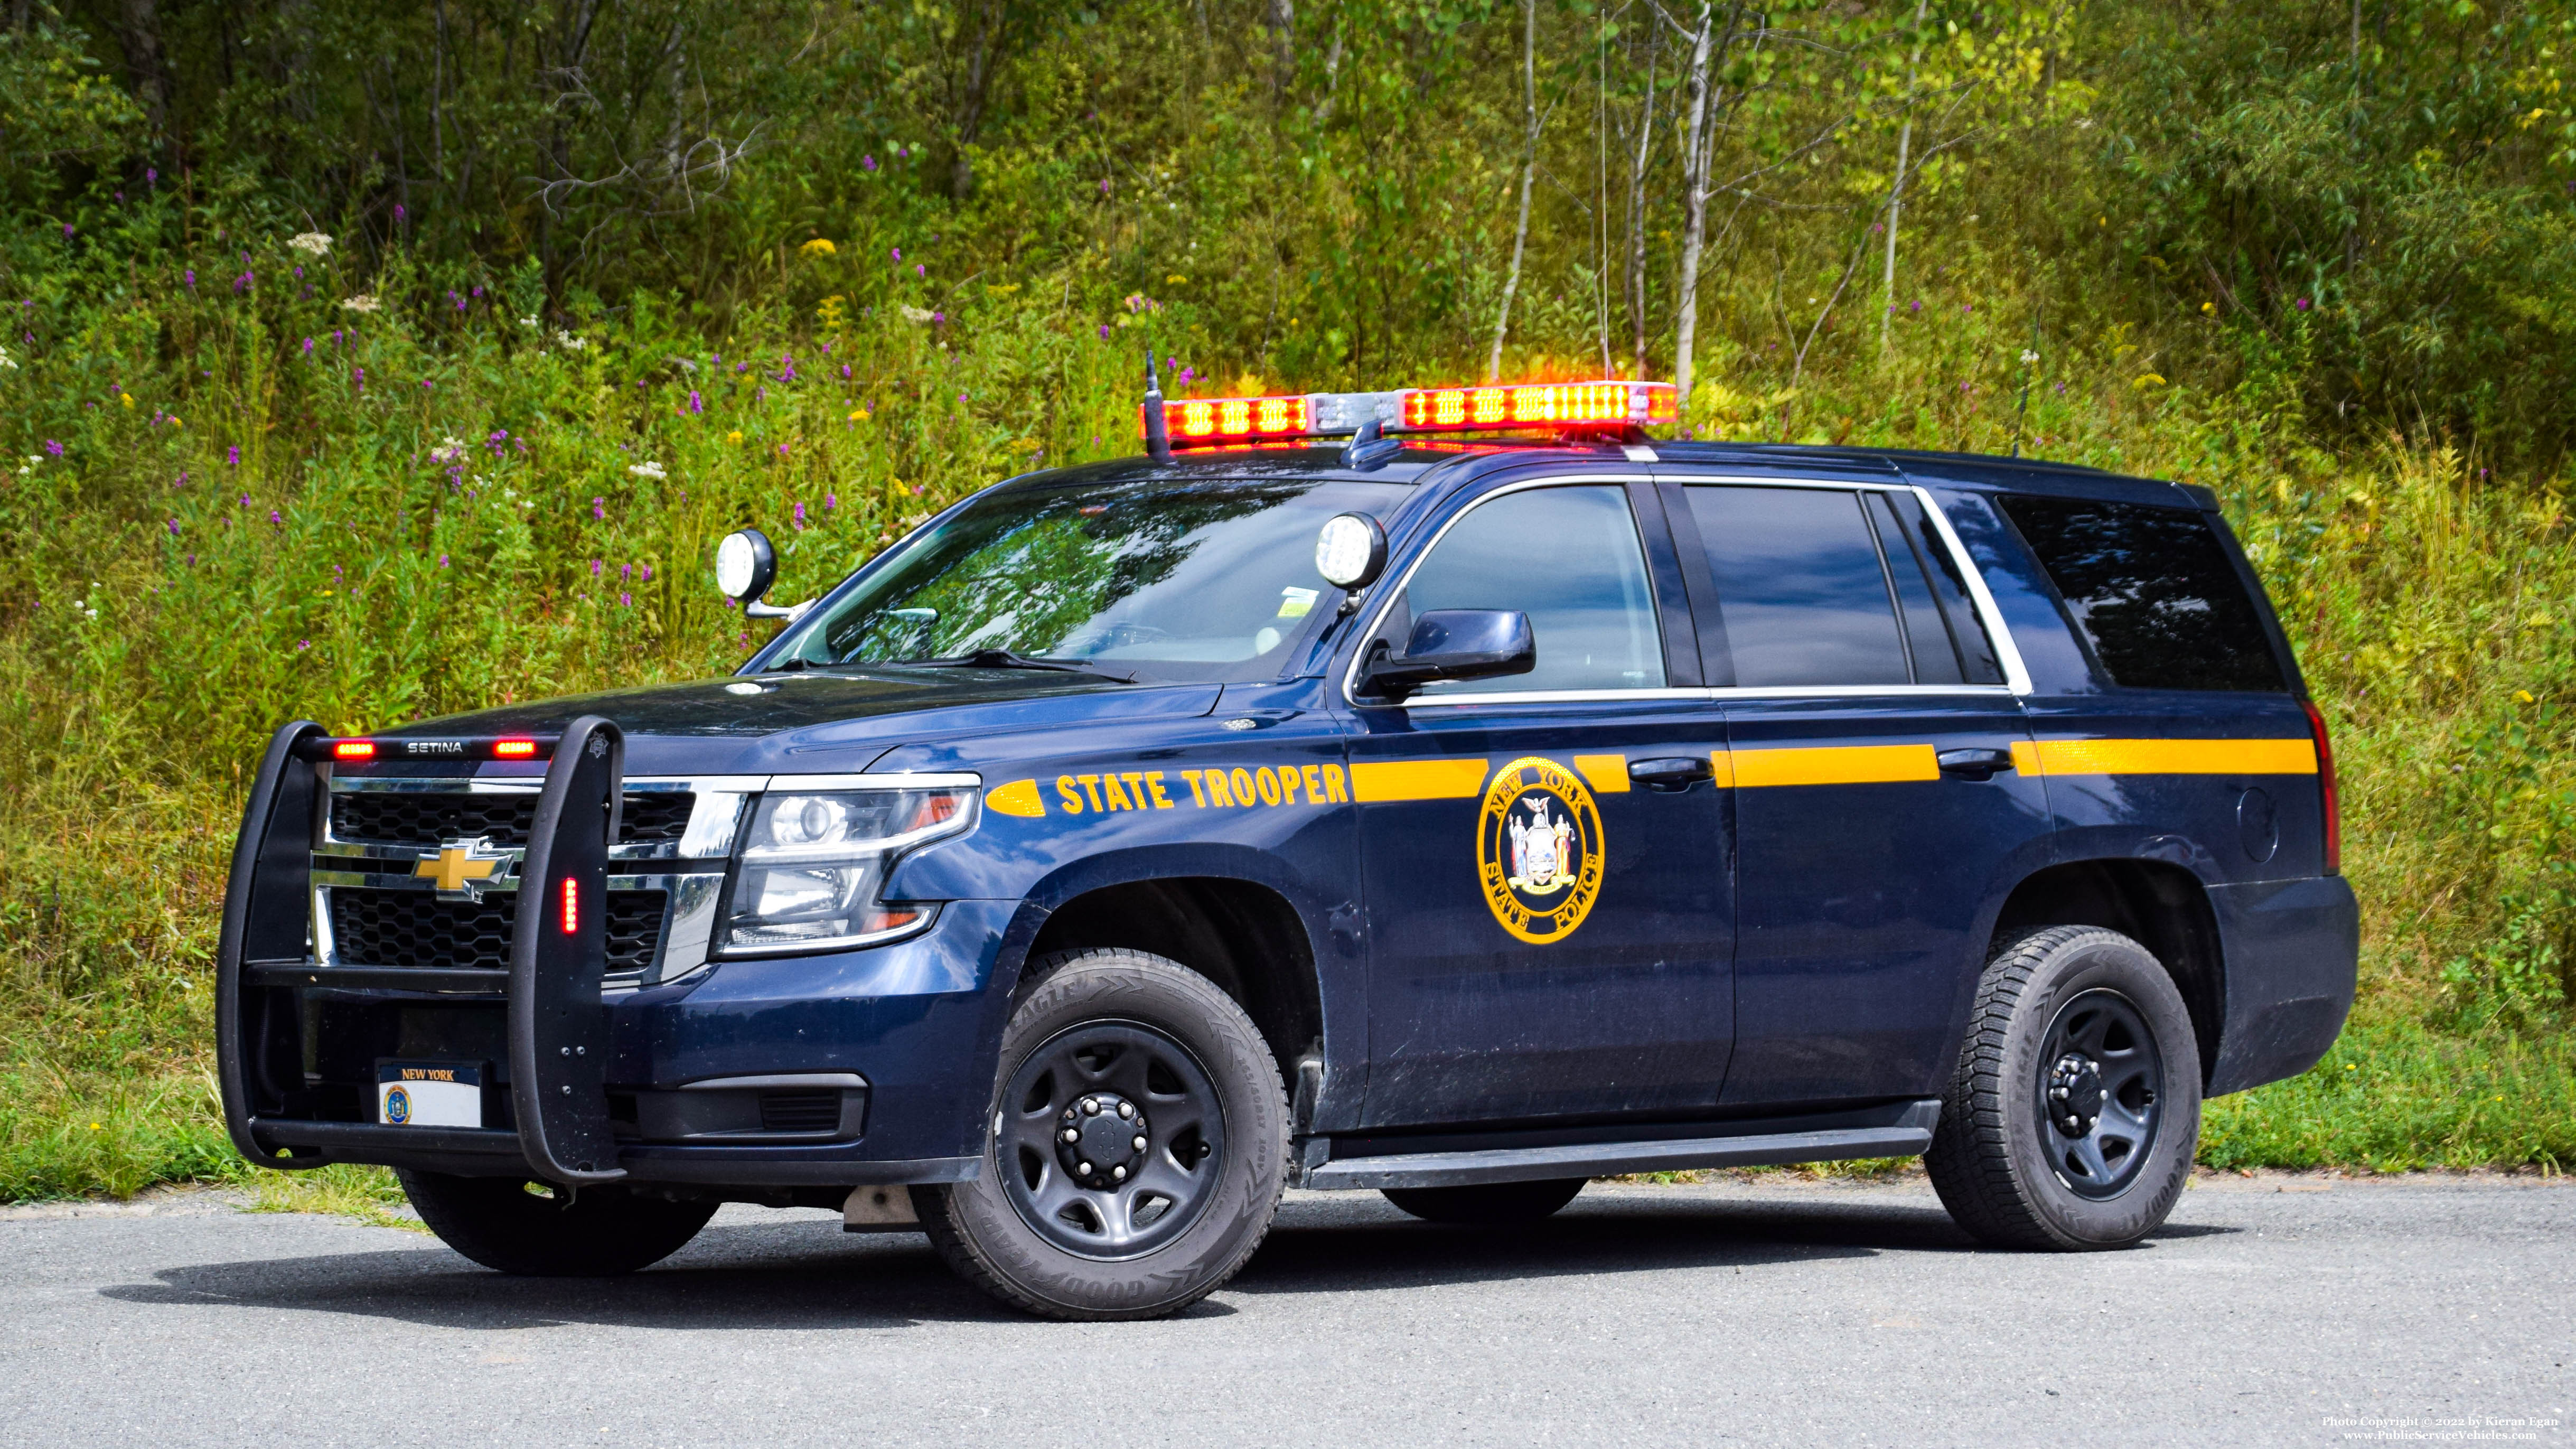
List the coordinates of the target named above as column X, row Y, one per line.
column 1907, row 1136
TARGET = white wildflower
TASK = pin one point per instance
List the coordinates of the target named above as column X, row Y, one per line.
column 362, row 303
column 311, row 243
column 2028, row 357
column 917, row 316
column 527, row 321
column 7, row 361
column 449, row 450
column 568, row 340
column 648, row 470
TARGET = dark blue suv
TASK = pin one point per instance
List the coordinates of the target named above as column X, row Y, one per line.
column 1456, row 817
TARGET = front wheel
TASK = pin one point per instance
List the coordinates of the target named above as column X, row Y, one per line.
column 540, row 1231
column 1138, row 1146
column 2073, row 1116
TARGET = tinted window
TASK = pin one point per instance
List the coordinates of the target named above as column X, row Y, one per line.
column 1568, row 558
column 1800, row 587
column 1941, row 625
column 2152, row 592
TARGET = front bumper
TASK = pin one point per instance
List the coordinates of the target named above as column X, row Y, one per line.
column 901, row 1032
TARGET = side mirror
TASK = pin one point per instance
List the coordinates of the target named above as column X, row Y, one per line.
column 745, row 565
column 1456, row 644
column 1350, row 551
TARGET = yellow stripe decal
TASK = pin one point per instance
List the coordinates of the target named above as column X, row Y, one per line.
column 1723, row 762
column 1376, row 782
column 1607, row 774
column 2168, row 757
column 1832, row 765
column 1020, row 797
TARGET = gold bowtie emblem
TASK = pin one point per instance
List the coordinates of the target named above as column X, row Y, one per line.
column 454, row 865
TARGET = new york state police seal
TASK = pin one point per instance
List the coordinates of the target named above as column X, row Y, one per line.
column 1539, row 849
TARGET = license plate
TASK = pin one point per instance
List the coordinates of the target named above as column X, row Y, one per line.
column 429, row 1094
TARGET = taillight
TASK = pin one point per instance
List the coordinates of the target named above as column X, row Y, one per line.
column 2326, row 788
column 571, row 906
column 353, row 749
column 514, row 749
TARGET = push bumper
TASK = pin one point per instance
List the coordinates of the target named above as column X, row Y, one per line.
column 898, row 1030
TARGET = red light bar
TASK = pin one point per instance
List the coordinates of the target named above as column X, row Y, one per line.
column 514, row 749
column 1236, row 419
column 571, row 906
column 1539, row 405
column 353, row 749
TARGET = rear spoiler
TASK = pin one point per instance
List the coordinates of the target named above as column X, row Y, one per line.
column 558, row 1028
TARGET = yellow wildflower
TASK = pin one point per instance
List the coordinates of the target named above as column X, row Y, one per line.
column 734, row 437
column 818, row 247
column 126, row 398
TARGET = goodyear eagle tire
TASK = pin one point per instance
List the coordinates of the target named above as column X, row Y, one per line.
column 2074, row 1113
column 599, row 1232
column 1488, row 1204
column 1136, row 1150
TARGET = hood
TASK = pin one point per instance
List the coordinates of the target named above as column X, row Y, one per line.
column 819, row 720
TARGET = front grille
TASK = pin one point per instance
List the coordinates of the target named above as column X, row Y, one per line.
column 408, row 929
column 800, row 1111
column 369, row 817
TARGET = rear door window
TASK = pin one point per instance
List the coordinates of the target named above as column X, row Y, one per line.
column 2152, row 592
column 1835, row 588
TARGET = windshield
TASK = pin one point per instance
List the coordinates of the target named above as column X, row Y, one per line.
column 1206, row 580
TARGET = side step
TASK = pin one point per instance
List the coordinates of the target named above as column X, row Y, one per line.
column 1909, row 1134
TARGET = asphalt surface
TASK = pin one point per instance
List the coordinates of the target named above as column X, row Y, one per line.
column 2420, row 1311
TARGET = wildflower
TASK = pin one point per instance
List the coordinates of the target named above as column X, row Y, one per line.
column 800, row 508
column 695, row 406
column 273, row 518
column 359, row 375
column 126, row 398
column 599, row 510
column 398, row 215
column 625, row 600
column 191, row 275
column 734, row 437
column 303, row 644
column 7, row 361
column 1104, row 187
column 311, row 243
column 898, row 253
column 53, row 447
column 818, row 247
column 174, row 420
column 831, row 501
column 245, row 500
column 845, row 371
column 648, row 470
column 569, row 341
column 174, row 528
column 867, row 163
column 858, row 414
column 782, row 450
column 939, row 317
column 1104, row 331
column 232, row 455
column 2303, row 304
column 2028, row 357
column 67, row 231
column 449, row 450
column 442, row 560
column 244, row 283
column 594, row 568
column 648, row 573
column 1917, row 307
column 363, row 302
column 919, row 270
column 308, row 347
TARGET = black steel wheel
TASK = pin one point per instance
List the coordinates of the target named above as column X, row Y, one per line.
column 2098, row 1087
column 2074, row 1112
column 1138, row 1144
column 1111, row 1139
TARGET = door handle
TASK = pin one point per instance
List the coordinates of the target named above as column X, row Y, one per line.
column 1974, row 764
column 1671, row 774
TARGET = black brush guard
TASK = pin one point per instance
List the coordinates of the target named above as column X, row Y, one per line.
column 558, row 1028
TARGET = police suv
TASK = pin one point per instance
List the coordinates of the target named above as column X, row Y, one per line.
column 1487, row 802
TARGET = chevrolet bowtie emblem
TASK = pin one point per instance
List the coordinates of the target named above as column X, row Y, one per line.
column 457, row 863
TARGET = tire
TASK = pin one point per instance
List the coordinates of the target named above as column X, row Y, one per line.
column 2089, row 1013
column 598, row 1233
column 1489, row 1203
column 1118, row 1047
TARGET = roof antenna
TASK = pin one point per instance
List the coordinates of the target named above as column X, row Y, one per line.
column 1158, row 436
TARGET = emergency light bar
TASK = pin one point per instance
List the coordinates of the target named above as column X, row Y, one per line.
column 404, row 747
column 1546, row 405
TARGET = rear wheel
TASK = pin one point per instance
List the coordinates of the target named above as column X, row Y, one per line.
column 1138, row 1147
column 537, row 1230
column 1488, row 1202
column 2074, row 1113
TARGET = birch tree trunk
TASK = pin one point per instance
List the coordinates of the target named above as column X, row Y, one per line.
column 1529, row 173
column 1695, row 153
column 1896, row 187
column 1637, row 208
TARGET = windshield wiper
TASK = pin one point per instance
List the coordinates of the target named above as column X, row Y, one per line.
column 1005, row 659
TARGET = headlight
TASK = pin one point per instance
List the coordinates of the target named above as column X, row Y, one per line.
column 812, row 866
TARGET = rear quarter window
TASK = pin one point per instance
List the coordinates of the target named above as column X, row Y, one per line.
column 2152, row 592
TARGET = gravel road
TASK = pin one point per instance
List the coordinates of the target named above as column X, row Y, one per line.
column 2271, row 1311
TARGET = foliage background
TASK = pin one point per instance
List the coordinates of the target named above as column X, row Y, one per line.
column 605, row 278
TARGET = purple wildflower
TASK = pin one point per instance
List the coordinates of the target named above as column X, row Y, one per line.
column 174, row 528
column 831, row 501
column 1104, row 188
column 191, row 275
column 594, row 568
column 599, row 510
column 626, row 571
column 648, row 573
column 1917, row 307
column 303, row 644
column 53, row 447
column 359, row 375
column 232, row 455
column 800, row 508
column 625, row 600
column 1104, row 331
column 2303, row 304
column 939, row 317
column 398, row 215
column 695, row 405
column 867, row 163
column 919, row 270
column 308, row 347
column 273, row 518
column 67, row 231
column 442, row 560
